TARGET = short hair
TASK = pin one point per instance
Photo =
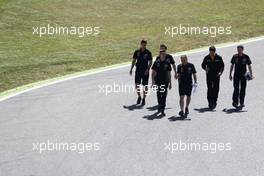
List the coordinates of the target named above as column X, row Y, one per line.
column 163, row 46
column 143, row 41
column 240, row 46
column 212, row 48
column 184, row 56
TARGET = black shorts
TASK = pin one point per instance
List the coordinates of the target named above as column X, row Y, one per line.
column 185, row 89
column 141, row 78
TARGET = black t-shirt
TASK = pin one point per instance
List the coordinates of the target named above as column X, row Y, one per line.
column 162, row 68
column 240, row 63
column 185, row 72
column 214, row 65
column 142, row 57
column 169, row 58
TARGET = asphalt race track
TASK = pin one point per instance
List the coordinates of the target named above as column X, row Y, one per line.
column 131, row 140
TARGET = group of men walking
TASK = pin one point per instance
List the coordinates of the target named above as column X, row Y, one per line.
column 186, row 74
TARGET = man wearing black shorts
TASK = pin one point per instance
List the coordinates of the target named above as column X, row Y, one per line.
column 185, row 72
column 142, row 58
column 161, row 79
column 240, row 61
column 214, row 66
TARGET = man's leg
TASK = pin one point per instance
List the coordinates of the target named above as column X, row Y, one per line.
column 181, row 94
column 138, row 93
column 163, row 98
column 188, row 100
column 209, row 90
column 216, row 90
column 243, row 83
column 137, row 85
column 159, row 97
column 145, row 92
column 138, row 89
column 181, row 113
column 145, row 79
column 236, row 90
column 164, row 95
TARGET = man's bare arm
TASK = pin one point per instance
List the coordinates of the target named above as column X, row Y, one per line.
column 250, row 70
column 132, row 66
column 149, row 66
column 195, row 78
column 169, row 79
column 174, row 68
column 231, row 71
column 153, row 75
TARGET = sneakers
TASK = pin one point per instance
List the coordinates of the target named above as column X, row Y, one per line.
column 138, row 100
column 235, row 105
column 181, row 113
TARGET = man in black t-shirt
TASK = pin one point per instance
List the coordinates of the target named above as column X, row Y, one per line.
column 169, row 58
column 161, row 79
column 142, row 58
column 214, row 66
column 185, row 72
column 240, row 61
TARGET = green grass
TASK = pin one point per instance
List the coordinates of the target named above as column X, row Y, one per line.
column 26, row 58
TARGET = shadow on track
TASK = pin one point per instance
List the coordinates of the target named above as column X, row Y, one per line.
column 156, row 115
column 154, row 108
column 178, row 118
column 233, row 110
column 133, row 107
column 202, row 110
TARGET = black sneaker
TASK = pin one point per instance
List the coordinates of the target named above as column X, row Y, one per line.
column 186, row 111
column 143, row 102
column 235, row 105
column 138, row 100
column 181, row 113
column 242, row 105
column 163, row 113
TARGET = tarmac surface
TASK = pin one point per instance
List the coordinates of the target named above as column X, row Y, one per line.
column 124, row 139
